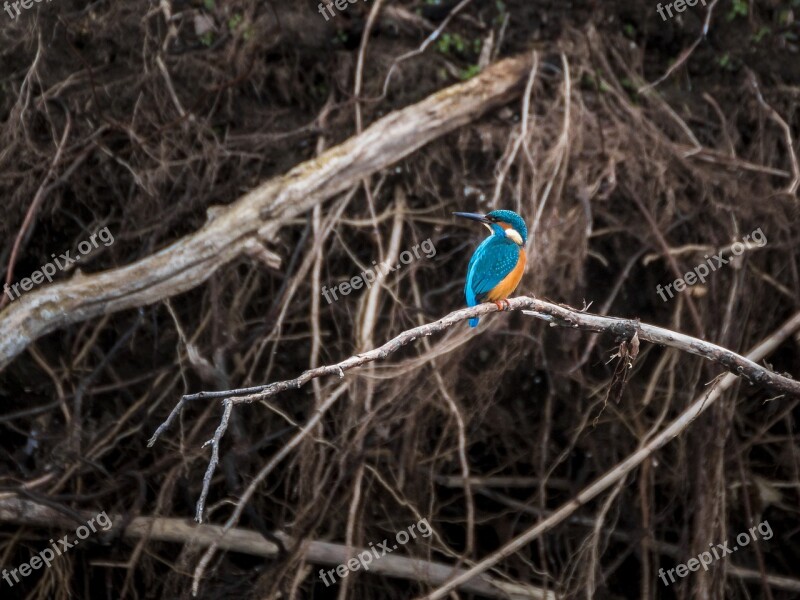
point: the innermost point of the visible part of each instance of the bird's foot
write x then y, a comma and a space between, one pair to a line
499, 304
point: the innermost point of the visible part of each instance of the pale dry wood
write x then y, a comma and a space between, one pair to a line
182, 531
255, 218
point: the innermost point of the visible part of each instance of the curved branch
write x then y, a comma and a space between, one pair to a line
556, 315
627, 329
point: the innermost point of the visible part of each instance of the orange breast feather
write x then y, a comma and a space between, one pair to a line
510, 282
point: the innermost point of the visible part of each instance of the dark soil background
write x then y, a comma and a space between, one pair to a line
141, 116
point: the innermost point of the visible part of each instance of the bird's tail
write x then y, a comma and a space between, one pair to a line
473, 322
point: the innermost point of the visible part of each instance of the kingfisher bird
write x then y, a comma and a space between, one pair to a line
496, 268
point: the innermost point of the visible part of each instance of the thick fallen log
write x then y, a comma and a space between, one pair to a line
183, 531
256, 217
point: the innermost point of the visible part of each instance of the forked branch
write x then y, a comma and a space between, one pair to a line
556, 315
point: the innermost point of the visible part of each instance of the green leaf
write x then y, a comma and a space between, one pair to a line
469, 72
235, 21
739, 9
764, 31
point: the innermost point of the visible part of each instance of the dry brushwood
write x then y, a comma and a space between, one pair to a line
555, 452
627, 331
253, 220
619, 471
31, 513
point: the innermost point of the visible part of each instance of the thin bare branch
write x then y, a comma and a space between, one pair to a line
555, 314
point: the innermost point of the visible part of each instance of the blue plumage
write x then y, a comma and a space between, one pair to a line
497, 264
511, 218
495, 258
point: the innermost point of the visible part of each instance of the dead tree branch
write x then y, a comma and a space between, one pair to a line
556, 315
698, 406
255, 218
181, 531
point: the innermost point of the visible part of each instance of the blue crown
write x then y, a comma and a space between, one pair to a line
513, 219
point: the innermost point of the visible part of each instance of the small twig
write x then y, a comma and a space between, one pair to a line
521, 136
428, 41
362, 52
83, 386
41, 194
214, 461
787, 132
668, 256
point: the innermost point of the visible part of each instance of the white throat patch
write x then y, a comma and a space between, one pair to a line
514, 235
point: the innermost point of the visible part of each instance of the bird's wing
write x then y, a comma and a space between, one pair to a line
493, 260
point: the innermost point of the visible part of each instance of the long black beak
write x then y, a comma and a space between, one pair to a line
473, 216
